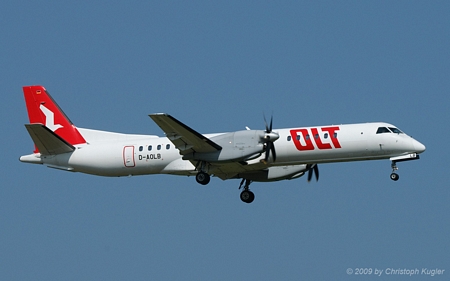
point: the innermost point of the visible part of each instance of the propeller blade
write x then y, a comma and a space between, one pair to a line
316, 171
265, 122
274, 154
270, 126
313, 169
266, 157
309, 175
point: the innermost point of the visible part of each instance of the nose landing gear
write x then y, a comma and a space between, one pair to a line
394, 175
402, 158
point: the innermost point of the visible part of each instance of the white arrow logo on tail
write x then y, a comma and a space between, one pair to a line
49, 119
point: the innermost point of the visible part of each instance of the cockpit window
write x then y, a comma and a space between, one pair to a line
395, 130
382, 130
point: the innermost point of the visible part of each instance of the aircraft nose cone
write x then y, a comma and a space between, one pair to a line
419, 147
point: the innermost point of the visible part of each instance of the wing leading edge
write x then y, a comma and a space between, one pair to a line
182, 136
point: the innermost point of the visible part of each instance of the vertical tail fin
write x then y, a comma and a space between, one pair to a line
42, 109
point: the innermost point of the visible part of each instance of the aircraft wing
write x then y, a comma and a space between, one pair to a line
183, 137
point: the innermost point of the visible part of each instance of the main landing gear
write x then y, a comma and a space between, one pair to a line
246, 195
394, 175
203, 178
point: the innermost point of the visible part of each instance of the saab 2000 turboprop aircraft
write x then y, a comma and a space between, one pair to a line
249, 155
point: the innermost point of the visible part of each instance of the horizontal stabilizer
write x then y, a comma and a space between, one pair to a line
46, 141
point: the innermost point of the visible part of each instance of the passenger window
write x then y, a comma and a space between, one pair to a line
289, 138
335, 135
141, 148
383, 130
325, 135
298, 137
307, 137
158, 147
168, 146
316, 136
149, 148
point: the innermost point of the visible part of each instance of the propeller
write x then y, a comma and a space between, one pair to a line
313, 169
269, 138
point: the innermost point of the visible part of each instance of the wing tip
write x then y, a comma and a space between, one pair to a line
160, 113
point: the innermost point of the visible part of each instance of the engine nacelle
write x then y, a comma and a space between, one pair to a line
236, 146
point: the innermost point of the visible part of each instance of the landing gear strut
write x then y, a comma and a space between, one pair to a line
246, 195
394, 176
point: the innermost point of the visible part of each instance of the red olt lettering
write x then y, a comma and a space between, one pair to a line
307, 144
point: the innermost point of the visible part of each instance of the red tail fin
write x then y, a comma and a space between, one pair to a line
44, 110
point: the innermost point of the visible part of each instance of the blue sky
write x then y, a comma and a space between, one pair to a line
219, 67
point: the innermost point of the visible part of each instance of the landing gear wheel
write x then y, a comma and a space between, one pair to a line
202, 178
247, 196
394, 177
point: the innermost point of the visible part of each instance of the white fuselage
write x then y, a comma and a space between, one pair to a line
114, 154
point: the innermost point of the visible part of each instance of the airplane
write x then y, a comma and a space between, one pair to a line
250, 155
